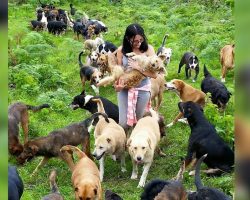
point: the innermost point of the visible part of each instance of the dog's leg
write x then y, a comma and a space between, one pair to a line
196, 73
175, 120
183, 120
101, 168
24, 123
180, 66
135, 170
96, 89
159, 151
144, 175
86, 146
186, 72
123, 165
42, 163
68, 158
159, 101
223, 74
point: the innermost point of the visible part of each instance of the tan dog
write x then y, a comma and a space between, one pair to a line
157, 89
133, 77
186, 93
142, 144
226, 60
110, 139
107, 62
92, 45
85, 176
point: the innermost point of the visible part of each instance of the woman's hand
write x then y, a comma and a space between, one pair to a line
119, 85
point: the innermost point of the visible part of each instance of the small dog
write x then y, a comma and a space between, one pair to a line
205, 140
226, 60
91, 74
202, 191
219, 93
133, 77
106, 62
92, 45
55, 194
106, 47
37, 25
192, 63
110, 139
92, 59
56, 27
18, 114
157, 89
15, 184
49, 146
166, 52
109, 195
86, 102
85, 175
142, 144
186, 93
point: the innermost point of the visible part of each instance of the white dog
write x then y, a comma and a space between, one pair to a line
92, 45
166, 52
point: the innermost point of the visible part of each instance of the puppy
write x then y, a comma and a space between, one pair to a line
110, 139
92, 45
91, 74
18, 114
15, 184
157, 89
142, 143
49, 146
226, 60
219, 93
166, 52
165, 190
186, 93
205, 140
92, 59
86, 102
202, 191
55, 194
106, 47
85, 175
133, 77
109, 195
192, 63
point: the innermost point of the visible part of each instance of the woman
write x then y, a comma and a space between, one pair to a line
132, 102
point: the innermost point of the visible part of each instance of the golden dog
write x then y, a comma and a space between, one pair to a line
157, 89
226, 60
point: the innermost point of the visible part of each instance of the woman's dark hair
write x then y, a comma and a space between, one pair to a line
130, 33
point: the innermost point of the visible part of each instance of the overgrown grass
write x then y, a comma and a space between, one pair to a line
44, 69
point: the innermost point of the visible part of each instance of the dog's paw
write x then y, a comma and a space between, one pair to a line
123, 169
130, 54
114, 157
193, 81
134, 176
169, 125
223, 80
192, 173
141, 184
183, 121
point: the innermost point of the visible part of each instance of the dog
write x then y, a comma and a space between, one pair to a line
37, 25
202, 191
110, 139
78, 27
109, 195
192, 63
226, 60
56, 27
85, 175
92, 45
49, 146
186, 93
107, 62
92, 58
18, 114
86, 102
166, 52
106, 47
133, 77
142, 143
55, 194
219, 93
91, 74
205, 140
166, 190
15, 184
157, 89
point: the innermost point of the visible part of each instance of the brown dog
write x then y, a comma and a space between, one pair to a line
157, 89
186, 93
18, 114
106, 62
85, 176
49, 146
226, 60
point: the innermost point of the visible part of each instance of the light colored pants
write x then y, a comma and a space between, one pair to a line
142, 101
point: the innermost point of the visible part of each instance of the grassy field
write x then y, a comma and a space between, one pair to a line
44, 69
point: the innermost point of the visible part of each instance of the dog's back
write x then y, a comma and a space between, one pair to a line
109, 195
227, 56
15, 184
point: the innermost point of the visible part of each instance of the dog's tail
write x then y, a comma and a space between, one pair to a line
73, 149
197, 178
164, 40
79, 59
100, 107
37, 108
206, 72
95, 115
52, 180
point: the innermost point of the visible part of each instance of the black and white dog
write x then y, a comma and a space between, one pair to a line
15, 184
192, 63
106, 47
166, 52
219, 93
85, 102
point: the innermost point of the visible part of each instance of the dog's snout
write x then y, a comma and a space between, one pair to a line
93, 154
138, 158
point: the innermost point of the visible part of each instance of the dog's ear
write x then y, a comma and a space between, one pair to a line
162, 57
95, 191
128, 143
83, 93
108, 140
149, 143
180, 106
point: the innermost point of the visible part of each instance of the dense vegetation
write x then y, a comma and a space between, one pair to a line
43, 69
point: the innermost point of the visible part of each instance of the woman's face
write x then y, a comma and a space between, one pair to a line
136, 41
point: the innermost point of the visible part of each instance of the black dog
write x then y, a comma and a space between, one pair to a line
192, 63
37, 25
109, 195
219, 93
202, 191
106, 47
85, 102
56, 27
205, 140
78, 27
15, 184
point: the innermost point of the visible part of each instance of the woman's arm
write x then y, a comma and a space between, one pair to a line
119, 55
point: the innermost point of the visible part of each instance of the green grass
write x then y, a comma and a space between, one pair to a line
45, 69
